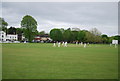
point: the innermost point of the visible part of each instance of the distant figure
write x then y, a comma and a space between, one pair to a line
115, 45
24, 41
59, 44
110, 44
54, 45
76, 43
88, 43
85, 45
65, 44
81, 43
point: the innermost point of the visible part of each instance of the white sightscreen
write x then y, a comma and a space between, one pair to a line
114, 41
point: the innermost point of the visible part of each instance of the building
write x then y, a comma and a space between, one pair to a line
2, 36
44, 38
11, 37
8, 37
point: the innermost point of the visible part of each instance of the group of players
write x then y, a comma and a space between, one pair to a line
64, 44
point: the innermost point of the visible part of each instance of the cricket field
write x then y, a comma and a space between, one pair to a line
43, 61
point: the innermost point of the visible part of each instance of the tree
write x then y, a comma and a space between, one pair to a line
117, 37
29, 25
62, 30
11, 30
42, 33
81, 36
3, 25
95, 31
110, 39
56, 34
105, 38
89, 37
75, 35
67, 35
19, 31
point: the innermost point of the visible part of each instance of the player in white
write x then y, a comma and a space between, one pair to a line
115, 45
25, 42
54, 45
81, 43
59, 44
77, 43
84, 45
110, 44
65, 44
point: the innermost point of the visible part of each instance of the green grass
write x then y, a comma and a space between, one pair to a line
42, 61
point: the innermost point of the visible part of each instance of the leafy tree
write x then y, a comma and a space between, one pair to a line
105, 38
56, 34
67, 35
89, 37
62, 30
11, 30
110, 39
75, 35
3, 25
81, 35
95, 31
19, 31
69, 29
29, 25
97, 39
117, 37
42, 33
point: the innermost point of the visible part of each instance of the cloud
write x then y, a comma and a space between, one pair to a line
85, 15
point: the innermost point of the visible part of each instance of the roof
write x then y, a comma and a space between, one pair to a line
45, 35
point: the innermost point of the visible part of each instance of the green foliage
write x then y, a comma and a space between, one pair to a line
56, 34
75, 35
67, 35
3, 25
42, 33
110, 39
29, 24
117, 37
81, 36
11, 30
105, 38
89, 37
19, 31
92, 38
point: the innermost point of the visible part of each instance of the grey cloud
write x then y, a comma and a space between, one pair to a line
102, 15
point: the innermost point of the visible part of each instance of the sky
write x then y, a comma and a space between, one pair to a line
49, 15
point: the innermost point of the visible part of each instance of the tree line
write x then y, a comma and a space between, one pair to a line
29, 30
93, 36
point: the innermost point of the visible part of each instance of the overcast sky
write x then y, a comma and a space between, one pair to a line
83, 15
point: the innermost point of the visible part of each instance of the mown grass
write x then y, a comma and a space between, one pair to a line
43, 61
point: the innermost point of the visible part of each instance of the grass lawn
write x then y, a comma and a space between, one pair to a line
42, 61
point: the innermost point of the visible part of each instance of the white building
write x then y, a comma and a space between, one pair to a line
11, 37
2, 36
8, 37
